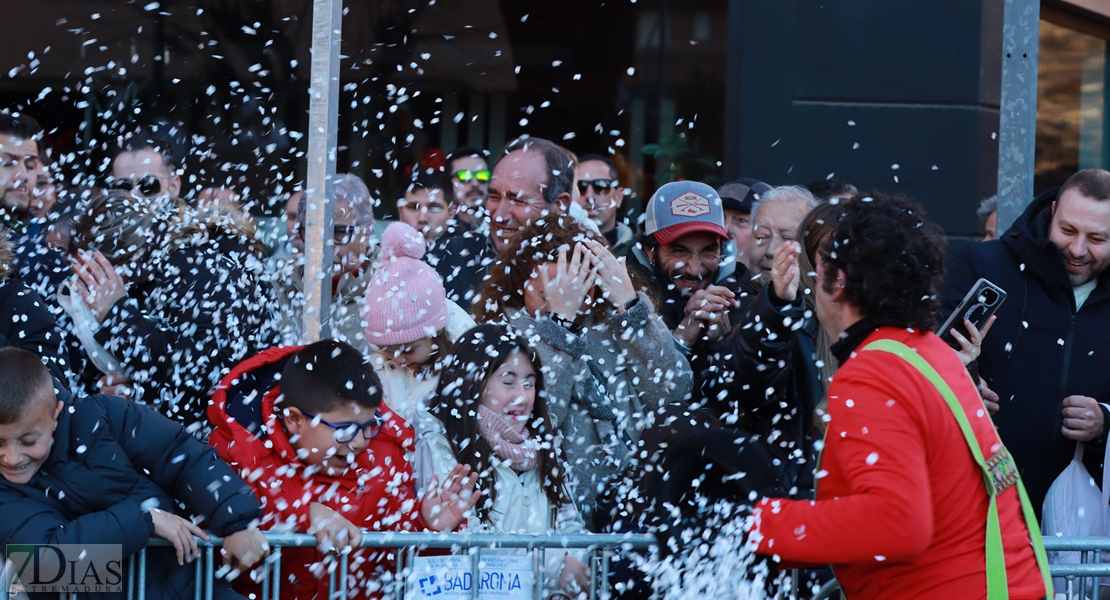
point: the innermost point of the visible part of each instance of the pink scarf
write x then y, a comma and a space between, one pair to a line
507, 444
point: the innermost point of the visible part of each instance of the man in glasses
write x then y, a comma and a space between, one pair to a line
145, 166
327, 456
352, 238
470, 177
600, 193
534, 177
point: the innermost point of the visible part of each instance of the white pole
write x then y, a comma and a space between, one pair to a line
323, 111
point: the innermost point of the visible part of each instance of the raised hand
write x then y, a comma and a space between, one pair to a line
785, 273
574, 278
97, 282
612, 274
444, 507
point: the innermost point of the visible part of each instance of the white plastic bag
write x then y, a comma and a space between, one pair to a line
1074, 507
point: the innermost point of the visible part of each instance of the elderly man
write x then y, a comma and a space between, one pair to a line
533, 177
351, 267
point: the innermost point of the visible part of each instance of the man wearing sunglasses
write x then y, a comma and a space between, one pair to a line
600, 193
145, 166
470, 177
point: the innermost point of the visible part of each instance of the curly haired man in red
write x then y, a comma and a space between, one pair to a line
916, 495
307, 429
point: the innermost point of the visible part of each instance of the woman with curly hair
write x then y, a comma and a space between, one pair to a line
166, 298
609, 361
917, 496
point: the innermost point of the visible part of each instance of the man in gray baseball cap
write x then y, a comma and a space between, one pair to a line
685, 251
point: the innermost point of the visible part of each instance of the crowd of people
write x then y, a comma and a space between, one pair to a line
513, 356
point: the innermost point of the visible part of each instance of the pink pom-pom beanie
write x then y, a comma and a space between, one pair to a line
406, 300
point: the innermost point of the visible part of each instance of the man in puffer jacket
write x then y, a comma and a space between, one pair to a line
325, 455
101, 470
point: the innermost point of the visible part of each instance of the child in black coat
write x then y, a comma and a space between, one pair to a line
101, 470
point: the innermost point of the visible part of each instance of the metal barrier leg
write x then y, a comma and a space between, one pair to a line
1098, 560
210, 575
142, 574
402, 579
277, 573
538, 565
592, 562
331, 580
266, 577
474, 581
198, 577
605, 592
343, 575
1083, 580
131, 577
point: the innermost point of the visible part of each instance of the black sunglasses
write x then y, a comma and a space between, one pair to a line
341, 234
601, 185
148, 186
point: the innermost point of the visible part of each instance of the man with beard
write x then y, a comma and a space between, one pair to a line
1045, 356
686, 254
470, 177
19, 158
534, 177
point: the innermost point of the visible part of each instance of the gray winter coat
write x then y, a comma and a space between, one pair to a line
601, 383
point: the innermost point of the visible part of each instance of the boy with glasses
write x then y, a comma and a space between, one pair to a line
600, 193
307, 428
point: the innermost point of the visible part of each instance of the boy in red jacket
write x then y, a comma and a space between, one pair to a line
903, 504
326, 456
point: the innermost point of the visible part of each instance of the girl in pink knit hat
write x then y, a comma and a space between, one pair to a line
410, 324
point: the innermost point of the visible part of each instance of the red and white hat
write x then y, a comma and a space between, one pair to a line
682, 207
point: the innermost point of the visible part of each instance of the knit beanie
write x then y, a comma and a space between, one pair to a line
406, 300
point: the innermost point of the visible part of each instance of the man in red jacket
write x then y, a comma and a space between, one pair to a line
326, 456
912, 470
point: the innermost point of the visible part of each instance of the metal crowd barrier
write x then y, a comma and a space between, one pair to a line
1076, 576
601, 547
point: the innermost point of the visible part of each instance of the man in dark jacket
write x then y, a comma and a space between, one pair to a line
1046, 354
102, 470
687, 258
533, 177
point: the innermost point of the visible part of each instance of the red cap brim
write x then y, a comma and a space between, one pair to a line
672, 233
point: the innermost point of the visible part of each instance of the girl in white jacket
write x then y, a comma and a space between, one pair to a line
409, 322
493, 417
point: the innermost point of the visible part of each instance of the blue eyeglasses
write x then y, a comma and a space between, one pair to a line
345, 432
